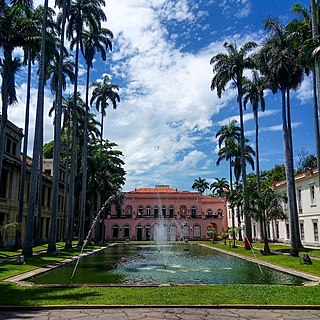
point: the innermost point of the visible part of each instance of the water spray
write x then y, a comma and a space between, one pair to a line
94, 222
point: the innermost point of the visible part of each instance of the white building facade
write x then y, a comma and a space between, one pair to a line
308, 203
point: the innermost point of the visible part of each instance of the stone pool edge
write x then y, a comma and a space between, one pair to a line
20, 279
312, 279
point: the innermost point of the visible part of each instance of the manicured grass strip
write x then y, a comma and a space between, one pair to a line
278, 259
10, 268
284, 248
185, 295
43, 247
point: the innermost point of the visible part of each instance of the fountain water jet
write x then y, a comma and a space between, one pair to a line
118, 195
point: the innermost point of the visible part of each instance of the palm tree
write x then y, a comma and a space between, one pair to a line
15, 28
230, 67
235, 200
254, 93
220, 187
201, 185
316, 72
278, 62
267, 205
27, 245
105, 173
80, 14
61, 21
306, 31
103, 92
69, 108
93, 41
31, 50
58, 72
233, 150
228, 135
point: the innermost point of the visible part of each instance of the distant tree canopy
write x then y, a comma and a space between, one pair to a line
308, 163
276, 174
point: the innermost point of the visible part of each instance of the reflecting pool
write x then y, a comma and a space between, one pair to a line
175, 264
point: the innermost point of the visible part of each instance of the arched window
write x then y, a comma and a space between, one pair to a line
118, 211
148, 232
126, 231
185, 231
171, 211
193, 211
115, 231
164, 211
156, 211
139, 232
140, 211
219, 212
183, 211
196, 231
128, 211
209, 213
173, 232
148, 211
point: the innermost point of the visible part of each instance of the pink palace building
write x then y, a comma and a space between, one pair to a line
183, 214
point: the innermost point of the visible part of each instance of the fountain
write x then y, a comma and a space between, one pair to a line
162, 263
161, 239
94, 222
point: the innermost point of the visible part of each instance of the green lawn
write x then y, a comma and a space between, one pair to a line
167, 295
184, 295
9, 268
284, 260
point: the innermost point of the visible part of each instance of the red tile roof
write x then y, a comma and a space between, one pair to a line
159, 190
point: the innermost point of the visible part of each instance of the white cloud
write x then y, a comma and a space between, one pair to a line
166, 108
16, 114
247, 117
273, 128
304, 92
237, 8
167, 105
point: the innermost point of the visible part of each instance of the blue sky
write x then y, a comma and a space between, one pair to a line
168, 117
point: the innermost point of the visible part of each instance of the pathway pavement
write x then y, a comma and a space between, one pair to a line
165, 313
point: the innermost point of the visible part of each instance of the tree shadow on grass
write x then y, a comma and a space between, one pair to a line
11, 295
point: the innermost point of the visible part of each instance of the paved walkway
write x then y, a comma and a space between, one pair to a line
177, 313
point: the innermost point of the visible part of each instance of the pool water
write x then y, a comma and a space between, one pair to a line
175, 264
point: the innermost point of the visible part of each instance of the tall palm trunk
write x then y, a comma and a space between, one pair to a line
18, 242
232, 208
38, 239
256, 122
67, 183
27, 246
99, 236
316, 120
316, 81
294, 251
57, 141
247, 220
73, 166
91, 208
294, 196
5, 101
84, 165
266, 247
101, 126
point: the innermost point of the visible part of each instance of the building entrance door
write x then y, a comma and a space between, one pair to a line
139, 233
148, 234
